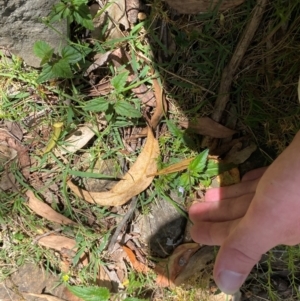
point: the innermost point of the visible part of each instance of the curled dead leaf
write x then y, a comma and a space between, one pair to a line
207, 127
169, 269
46, 211
198, 262
134, 182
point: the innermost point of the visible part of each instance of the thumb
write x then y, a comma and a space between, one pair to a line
241, 250
233, 265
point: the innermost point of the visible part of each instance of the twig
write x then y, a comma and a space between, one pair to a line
126, 217
230, 70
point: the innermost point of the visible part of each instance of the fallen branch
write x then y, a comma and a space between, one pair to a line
240, 50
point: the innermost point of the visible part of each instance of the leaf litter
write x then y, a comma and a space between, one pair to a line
173, 270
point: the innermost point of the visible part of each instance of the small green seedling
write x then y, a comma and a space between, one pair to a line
116, 103
200, 169
73, 10
61, 65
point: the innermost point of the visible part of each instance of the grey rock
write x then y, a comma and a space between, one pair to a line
162, 229
21, 27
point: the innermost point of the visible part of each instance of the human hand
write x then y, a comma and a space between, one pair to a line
250, 218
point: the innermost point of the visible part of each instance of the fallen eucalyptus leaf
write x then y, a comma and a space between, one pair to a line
207, 127
133, 183
46, 211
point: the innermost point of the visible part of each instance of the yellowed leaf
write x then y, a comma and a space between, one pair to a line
133, 183
182, 165
45, 210
208, 127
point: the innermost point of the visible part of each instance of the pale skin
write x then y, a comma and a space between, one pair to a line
250, 218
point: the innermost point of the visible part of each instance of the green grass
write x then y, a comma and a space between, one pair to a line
189, 61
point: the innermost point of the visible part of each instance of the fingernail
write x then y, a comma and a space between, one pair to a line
230, 282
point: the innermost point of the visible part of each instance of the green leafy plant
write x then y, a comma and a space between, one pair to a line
117, 103
94, 293
58, 66
73, 10
200, 169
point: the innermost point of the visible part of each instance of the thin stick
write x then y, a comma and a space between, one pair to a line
125, 219
240, 50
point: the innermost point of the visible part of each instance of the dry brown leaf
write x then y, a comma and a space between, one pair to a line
182, 165
145, 94
132, 10
113, 18
46, 211
207, 127
169, 269
198, 262
65, 245
229, 177
237, 155
103, 279
120, 58
23, 157
46, 297
137, 265
100, 60
133, 183
77, 140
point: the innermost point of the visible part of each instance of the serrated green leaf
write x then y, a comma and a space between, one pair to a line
124, 108
119, 81
71, 54
206, 181
57, 12
62, 69
57, 69
174, 130
185, 180
99, 104
212, 168
46, 74
47, 58
41, 49
83, 17
199, 163
92, 293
